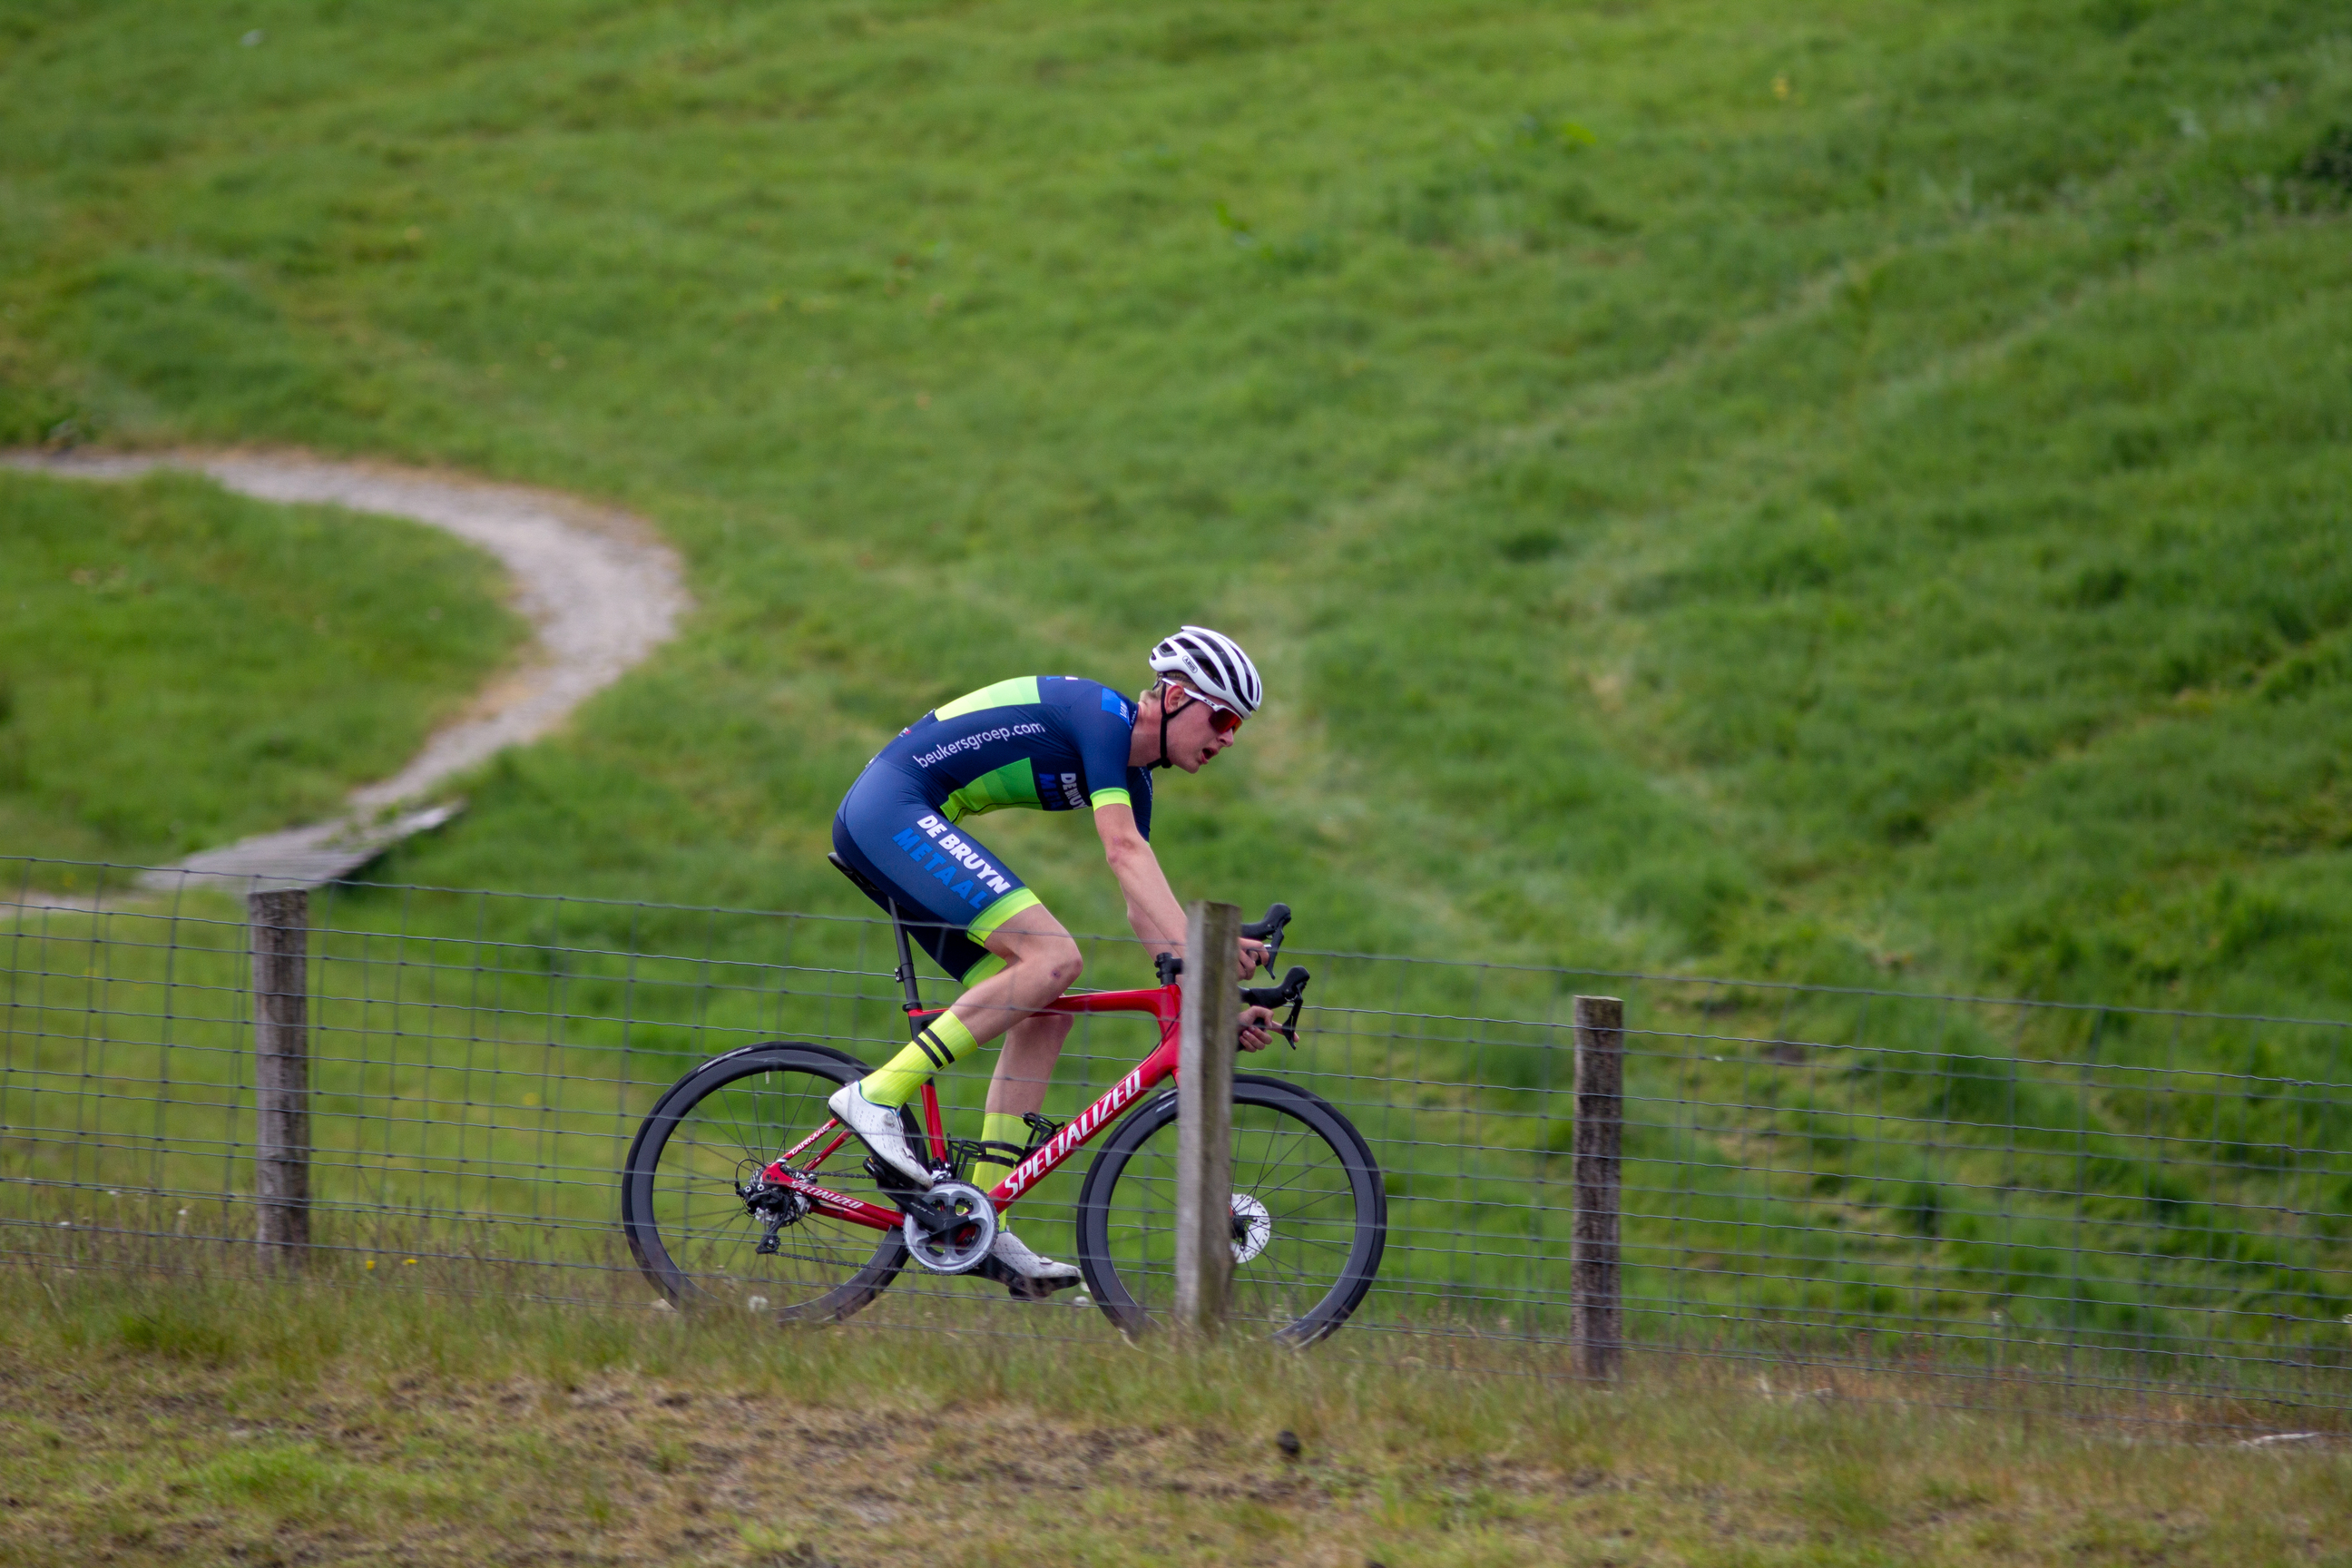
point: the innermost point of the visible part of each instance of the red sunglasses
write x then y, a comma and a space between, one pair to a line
1222, 720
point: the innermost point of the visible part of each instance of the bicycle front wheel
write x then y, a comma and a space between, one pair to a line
720, 1124
1309, 1215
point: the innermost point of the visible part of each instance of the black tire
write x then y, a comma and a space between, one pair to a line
688, 1230
1294, 1155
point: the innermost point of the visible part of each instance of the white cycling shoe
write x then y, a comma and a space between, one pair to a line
879, 1128
1029, 1277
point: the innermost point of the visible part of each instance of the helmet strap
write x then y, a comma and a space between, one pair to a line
1163, 726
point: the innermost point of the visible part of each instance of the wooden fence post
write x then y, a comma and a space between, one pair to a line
1204, 1115
280, 922
1596, 1310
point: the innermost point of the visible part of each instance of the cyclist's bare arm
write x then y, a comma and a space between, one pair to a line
1151, 906
1153, 911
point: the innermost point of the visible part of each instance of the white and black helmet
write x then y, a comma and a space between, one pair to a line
1214, 665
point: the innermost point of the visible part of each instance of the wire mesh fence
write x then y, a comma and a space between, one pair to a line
1970, 1196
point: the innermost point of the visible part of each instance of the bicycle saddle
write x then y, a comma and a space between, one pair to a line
850, 871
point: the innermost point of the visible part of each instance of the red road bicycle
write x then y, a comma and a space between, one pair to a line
733, 1195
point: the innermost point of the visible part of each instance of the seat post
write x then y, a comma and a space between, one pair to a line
906, 971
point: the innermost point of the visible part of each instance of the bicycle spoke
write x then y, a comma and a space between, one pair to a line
1306, 1272
691, 1212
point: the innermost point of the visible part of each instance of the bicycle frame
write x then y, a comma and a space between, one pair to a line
1164, 1003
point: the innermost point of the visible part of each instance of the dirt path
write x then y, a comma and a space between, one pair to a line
600, 588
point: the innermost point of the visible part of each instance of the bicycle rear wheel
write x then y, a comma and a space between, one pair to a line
691, 1233
1310, 1216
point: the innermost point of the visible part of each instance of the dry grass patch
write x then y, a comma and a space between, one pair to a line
223, 1423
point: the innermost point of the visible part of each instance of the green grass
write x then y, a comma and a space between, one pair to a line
1854, 494
1791, 491
179, 666
165, 1420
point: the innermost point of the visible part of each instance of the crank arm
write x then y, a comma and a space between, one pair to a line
932, 1214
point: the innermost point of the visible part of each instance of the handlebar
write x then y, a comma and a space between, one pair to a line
1290, 993
1267, 930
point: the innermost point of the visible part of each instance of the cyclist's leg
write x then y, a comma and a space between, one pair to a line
1039, 960
968, 911
1011, 954
1024, 964
1024, 1067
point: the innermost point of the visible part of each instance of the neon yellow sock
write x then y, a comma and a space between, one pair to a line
998, 1127
944, 1041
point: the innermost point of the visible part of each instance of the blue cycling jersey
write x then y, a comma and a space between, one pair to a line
1049, 743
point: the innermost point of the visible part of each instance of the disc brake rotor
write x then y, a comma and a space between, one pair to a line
1253, 1228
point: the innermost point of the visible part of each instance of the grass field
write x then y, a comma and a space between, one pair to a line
192, 1421
1852, 494
1834, 492
179, 667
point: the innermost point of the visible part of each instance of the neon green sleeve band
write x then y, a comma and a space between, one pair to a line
984, 925
1103, 797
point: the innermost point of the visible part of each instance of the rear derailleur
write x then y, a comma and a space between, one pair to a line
774, 1206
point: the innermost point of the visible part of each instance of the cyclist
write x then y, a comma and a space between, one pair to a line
1054, 743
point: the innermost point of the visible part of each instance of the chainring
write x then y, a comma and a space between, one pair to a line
950, 1229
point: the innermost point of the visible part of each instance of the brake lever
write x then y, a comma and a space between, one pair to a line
1290, 1025
1293, 991
1276, 996
1269, 931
